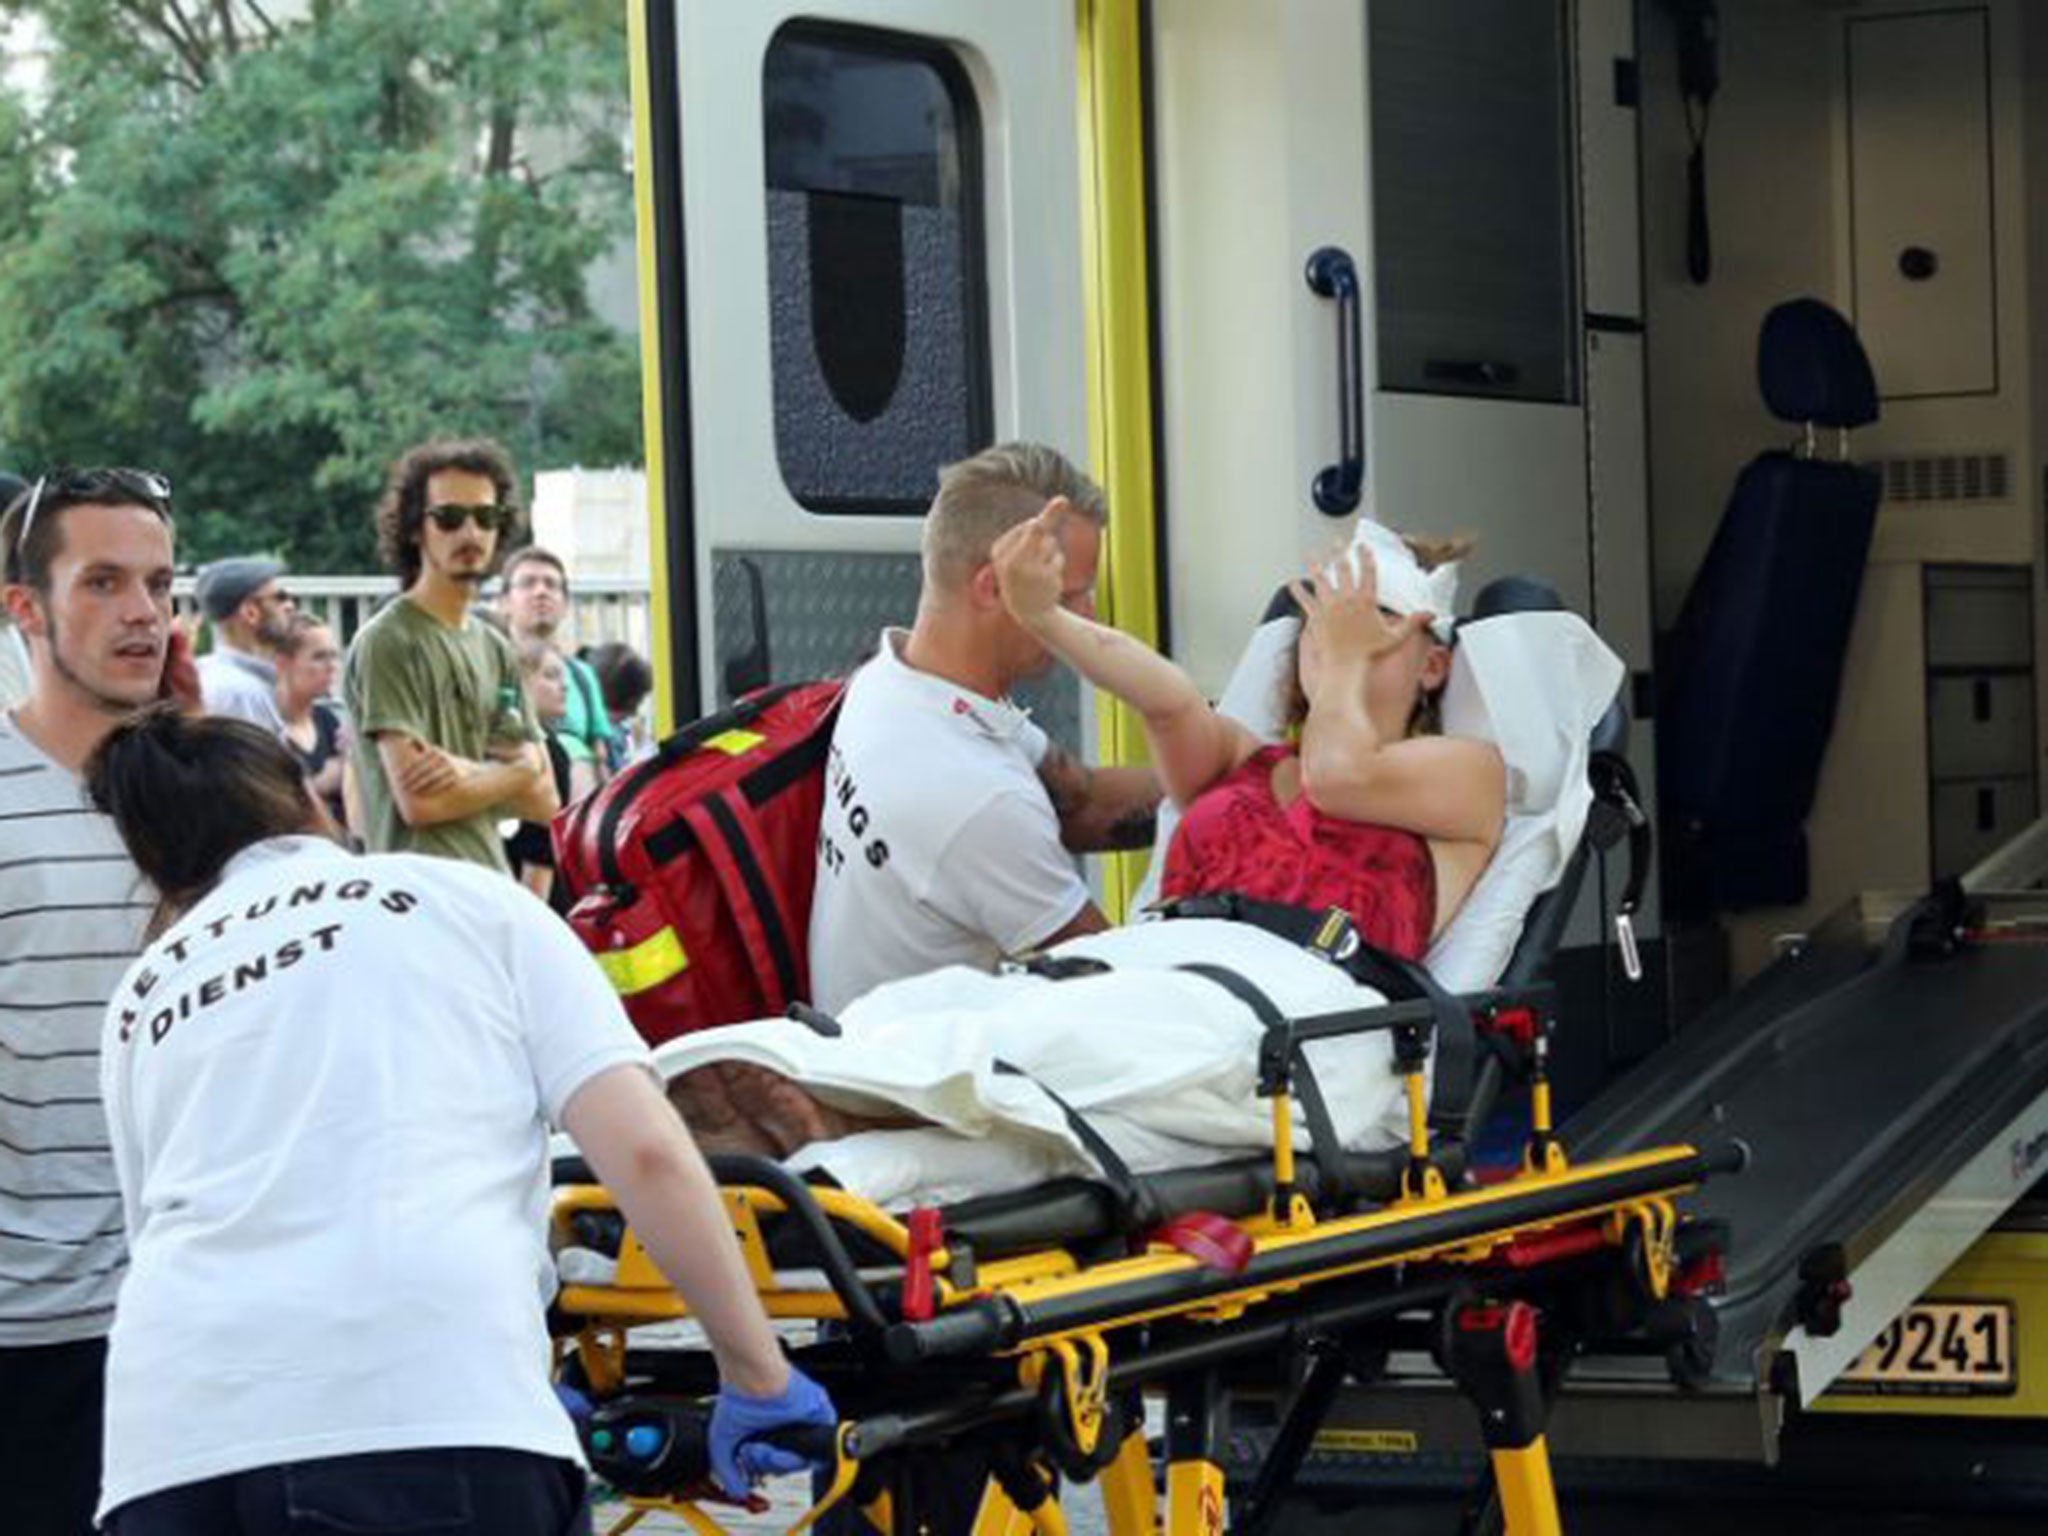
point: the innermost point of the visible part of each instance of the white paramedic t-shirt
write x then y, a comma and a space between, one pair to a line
328, 1087
938, 845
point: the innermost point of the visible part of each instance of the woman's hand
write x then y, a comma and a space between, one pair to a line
1341, 615
1031, 564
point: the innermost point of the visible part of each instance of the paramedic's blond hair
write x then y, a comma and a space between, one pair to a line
982, 498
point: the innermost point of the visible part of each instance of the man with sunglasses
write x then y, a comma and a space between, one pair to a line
252, 621
446, 744
88, 586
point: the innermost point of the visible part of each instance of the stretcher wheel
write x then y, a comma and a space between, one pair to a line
1691, 1333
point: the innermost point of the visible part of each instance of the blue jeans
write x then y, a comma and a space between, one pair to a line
383, 1493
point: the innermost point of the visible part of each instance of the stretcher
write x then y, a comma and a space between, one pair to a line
1019, 1334
1007, 1342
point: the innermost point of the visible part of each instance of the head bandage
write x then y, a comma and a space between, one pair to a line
1404, 586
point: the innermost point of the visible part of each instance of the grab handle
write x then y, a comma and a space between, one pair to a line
1333, 275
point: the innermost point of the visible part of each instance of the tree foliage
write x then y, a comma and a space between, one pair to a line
267, 254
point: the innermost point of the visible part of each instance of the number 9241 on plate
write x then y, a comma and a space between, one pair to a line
1939, 1349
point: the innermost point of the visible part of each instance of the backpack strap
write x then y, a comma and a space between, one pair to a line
622, 793
730, 836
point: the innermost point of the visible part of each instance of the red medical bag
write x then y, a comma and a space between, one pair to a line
691, 871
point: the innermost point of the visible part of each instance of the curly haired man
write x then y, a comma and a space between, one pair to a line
446, 744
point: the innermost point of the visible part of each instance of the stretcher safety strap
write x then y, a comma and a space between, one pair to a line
1322, 1133
1399, 980
1140, 1205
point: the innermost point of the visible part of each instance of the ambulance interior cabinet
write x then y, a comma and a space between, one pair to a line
1981, 752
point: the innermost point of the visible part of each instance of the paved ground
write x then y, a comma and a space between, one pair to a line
787, 1504
1676, 1516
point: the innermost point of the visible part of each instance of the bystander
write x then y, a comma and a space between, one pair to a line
251, 615
88, 584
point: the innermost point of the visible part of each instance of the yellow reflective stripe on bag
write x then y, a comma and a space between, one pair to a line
733, 743
647, 964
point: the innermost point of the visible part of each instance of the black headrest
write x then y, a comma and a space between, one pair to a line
1811, 367
1514, 594
1523, 594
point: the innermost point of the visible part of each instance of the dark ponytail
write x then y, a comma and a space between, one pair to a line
189, 792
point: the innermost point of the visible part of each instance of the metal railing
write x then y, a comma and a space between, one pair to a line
600, 609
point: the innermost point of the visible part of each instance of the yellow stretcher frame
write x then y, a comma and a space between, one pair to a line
1079, 1336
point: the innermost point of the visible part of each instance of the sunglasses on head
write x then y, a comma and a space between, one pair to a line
489, 516
80, 487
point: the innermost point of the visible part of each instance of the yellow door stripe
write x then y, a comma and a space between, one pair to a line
651, 364
1117, 304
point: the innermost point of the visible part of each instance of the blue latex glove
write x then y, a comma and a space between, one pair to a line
574, 1403
739, 1458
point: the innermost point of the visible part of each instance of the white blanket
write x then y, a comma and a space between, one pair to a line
1162, 1063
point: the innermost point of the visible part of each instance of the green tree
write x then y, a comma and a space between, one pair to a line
266, 255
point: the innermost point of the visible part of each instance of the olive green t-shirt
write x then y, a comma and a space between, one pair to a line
452, 687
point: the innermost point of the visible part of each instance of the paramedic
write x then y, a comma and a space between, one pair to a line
950, 819
328, 1083
88, 571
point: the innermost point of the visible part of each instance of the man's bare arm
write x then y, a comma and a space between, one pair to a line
1088, 920
1101, 810
430, 786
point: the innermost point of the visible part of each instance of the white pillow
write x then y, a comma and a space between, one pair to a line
1535, 685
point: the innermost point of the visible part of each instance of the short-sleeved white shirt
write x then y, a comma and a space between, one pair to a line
938, 845
328, 1087
232, 682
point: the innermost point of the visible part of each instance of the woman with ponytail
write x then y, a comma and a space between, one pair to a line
328, 1084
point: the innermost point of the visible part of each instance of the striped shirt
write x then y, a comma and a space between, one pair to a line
72, 913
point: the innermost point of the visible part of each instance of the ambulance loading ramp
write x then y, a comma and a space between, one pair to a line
1893, 1093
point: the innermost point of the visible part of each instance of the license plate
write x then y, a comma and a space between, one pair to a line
1939, 1349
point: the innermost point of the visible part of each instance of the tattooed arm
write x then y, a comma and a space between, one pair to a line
1101, 810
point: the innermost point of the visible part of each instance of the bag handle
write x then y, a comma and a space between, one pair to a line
624, 789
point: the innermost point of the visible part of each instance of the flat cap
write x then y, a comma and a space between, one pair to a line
224, 585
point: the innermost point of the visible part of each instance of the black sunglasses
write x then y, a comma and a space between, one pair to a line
490, 517
79, 487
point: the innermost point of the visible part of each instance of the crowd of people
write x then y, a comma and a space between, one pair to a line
173, 849
254, 994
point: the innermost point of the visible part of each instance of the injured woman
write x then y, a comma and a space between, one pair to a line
1428, 781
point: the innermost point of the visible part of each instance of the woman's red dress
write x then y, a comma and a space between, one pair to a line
1236, 836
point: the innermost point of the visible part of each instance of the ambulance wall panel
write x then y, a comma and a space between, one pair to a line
1523, 495
1917, 92
1260, 142
1610, 203
1770, 168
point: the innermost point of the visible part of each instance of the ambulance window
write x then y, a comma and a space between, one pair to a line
1472, 202
878, 312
